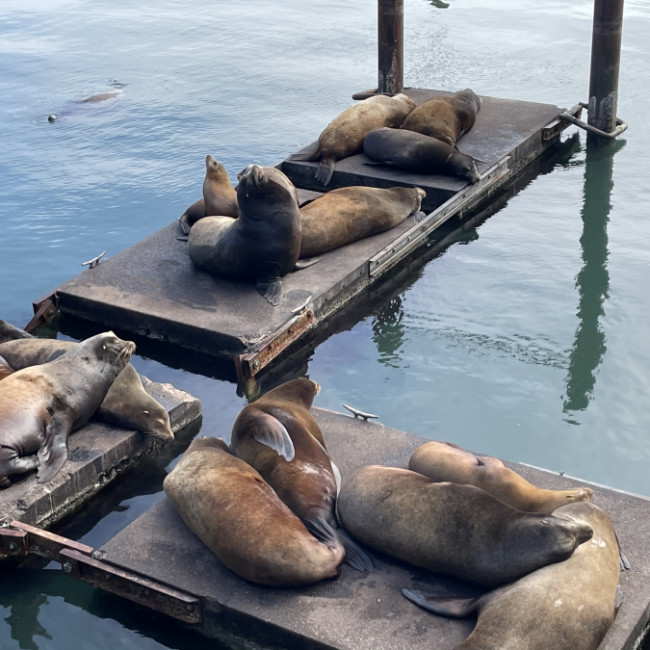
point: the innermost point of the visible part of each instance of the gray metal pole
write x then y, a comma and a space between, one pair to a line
391, 46
605, 59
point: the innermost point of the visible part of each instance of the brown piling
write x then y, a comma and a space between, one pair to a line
391, 46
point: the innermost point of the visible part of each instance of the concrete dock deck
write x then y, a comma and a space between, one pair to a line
98, 454
355, 611
153, 290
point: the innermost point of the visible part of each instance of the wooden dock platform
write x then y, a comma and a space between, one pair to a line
355, 611
153, 290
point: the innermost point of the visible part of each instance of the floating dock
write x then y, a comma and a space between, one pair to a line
157, 561
153, 290
98, 454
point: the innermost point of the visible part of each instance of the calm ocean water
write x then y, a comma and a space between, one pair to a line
525, 339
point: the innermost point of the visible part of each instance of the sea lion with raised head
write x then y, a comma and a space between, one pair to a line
240, 518
41, 405
418, 153
127, 404
452, 529
263, 244
444, 461
219, 197
278, 436
447, 117
344, 135
570, 604
348, 214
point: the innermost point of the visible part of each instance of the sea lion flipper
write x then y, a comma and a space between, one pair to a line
269, 431
355, 556
54, 451
443, 605
325, 170
271, 289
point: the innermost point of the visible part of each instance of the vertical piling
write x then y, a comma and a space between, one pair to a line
605, 59
391, 46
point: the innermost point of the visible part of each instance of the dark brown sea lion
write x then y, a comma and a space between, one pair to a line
5, 368
344, 135
126, 404
570, 604
236, 514
263, 244
452, 529
446, 118
419, 153
345, 215
278, 436
444, 461
219, 197
41, 405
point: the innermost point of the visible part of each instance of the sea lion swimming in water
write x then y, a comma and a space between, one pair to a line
444, 461
41, 405
570, 604
241, 519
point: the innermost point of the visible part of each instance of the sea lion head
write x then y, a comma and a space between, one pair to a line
405, 99
214, 169
106, 348
255, 181
464, 166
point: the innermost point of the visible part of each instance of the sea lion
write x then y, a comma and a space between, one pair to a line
263, 244
219, 197
239, 517
344, 135
126, 404
41, 405
278, 436
446, 118
5, 368
418, 153
452, 529
345, 215
570, 604
444, 461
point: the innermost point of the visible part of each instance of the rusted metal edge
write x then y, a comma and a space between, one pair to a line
18, 539
621, 126
259, 355
45, 309
413, 237
144, 591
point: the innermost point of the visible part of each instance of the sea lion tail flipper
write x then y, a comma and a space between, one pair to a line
325, 170
54, 450
269, 431
443, 605
355, 556
270, 289
183, 224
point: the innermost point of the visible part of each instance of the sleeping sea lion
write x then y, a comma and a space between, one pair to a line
127, 404
344, 135
239, 517
345, 215
452, 529
263, 244
570, 604
444, 461
41, 405
278, 436
418, 153
447, 117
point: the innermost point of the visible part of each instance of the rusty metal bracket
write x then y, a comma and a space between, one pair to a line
554, 128
621, 126
18, 539
45, 310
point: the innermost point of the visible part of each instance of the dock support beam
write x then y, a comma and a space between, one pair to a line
605, 59
391, 46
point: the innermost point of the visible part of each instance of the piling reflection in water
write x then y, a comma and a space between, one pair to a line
592, 281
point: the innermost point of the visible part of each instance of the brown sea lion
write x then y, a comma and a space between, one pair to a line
263, 244
239, 517
444, 461
219, 197
452, 529
41, 405
126, 404
447, 117
5, 368
278, 436
345, 215
570, 604
344, 135
418, 153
